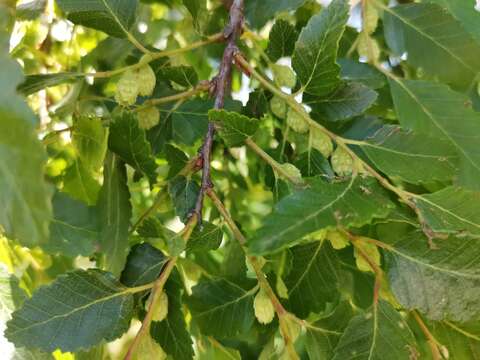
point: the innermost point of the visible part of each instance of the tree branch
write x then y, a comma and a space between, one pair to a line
221, 86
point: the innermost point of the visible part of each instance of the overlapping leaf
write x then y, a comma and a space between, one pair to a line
37, 82
435, 110
281, 41
258, 12
76, 311
184, 193
114, 17
442, 282
354, 202
144, 264
90, 138
233, 127
314, 58
406, 155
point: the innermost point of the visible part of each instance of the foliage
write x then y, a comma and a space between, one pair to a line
272, 179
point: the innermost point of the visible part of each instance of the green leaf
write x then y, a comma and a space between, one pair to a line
259, 12
353, 71
323, 335
190, 121
184, 193
171, 333
144, 264
379, 334
313, 163
205, 237
30, 10
212, 349
25, 209
452, 210
281, 41
465, 13
221, 308
460, 343
115, 213
453, 55
313, 280
200, 13
80, 184
316, 49
74, 227
350, 203
347, 101
176, 158
182, 75
406, 155
442, 282
37, 82
90, 139
76, 311
233, 127
435, 110
129, 142
114, 17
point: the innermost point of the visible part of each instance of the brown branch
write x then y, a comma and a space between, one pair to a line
432, 342
221, 86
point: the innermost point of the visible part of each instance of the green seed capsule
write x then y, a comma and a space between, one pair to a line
342, 162
284, 76
321, 142
127, 89
160, 310
278, 107
296, 122
146, 80
148, 117
264, 311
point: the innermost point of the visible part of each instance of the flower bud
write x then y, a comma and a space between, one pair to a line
148, 117
127, 89
321, 142
278, 107
160, 306
264, 311
146, 80
342, 162
297, 122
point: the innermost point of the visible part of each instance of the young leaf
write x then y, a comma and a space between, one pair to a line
381, 333
171, 333
74, 227
115, 213
453, 55
110, 16
233, 127
452, 210
316, 49
406, 155
144, 264
80, 184
433, 109
76, 311
347, 101
184, 192
451, 271
281, 40
129, 142
221, 308
354, 202
90, 138
313, 280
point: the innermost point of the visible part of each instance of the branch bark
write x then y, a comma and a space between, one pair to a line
221, 86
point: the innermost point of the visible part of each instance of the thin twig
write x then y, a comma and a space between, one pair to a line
432, 342
221, 86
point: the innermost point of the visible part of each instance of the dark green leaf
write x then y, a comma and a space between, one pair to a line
316, 49
452, 210
313, 280
76, 311
184, 193
221, 308
281, 41
233, 127
433, 109
171, 333
181, 75
114, 17
460, 343
129, 142
313, 163
144, 264
259, 12
354, 202
206, 236
414, 29
190, 121
347, 101
37, 82
406, 155
74, 227
442, 282
353, 71
176, 158
115, 213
